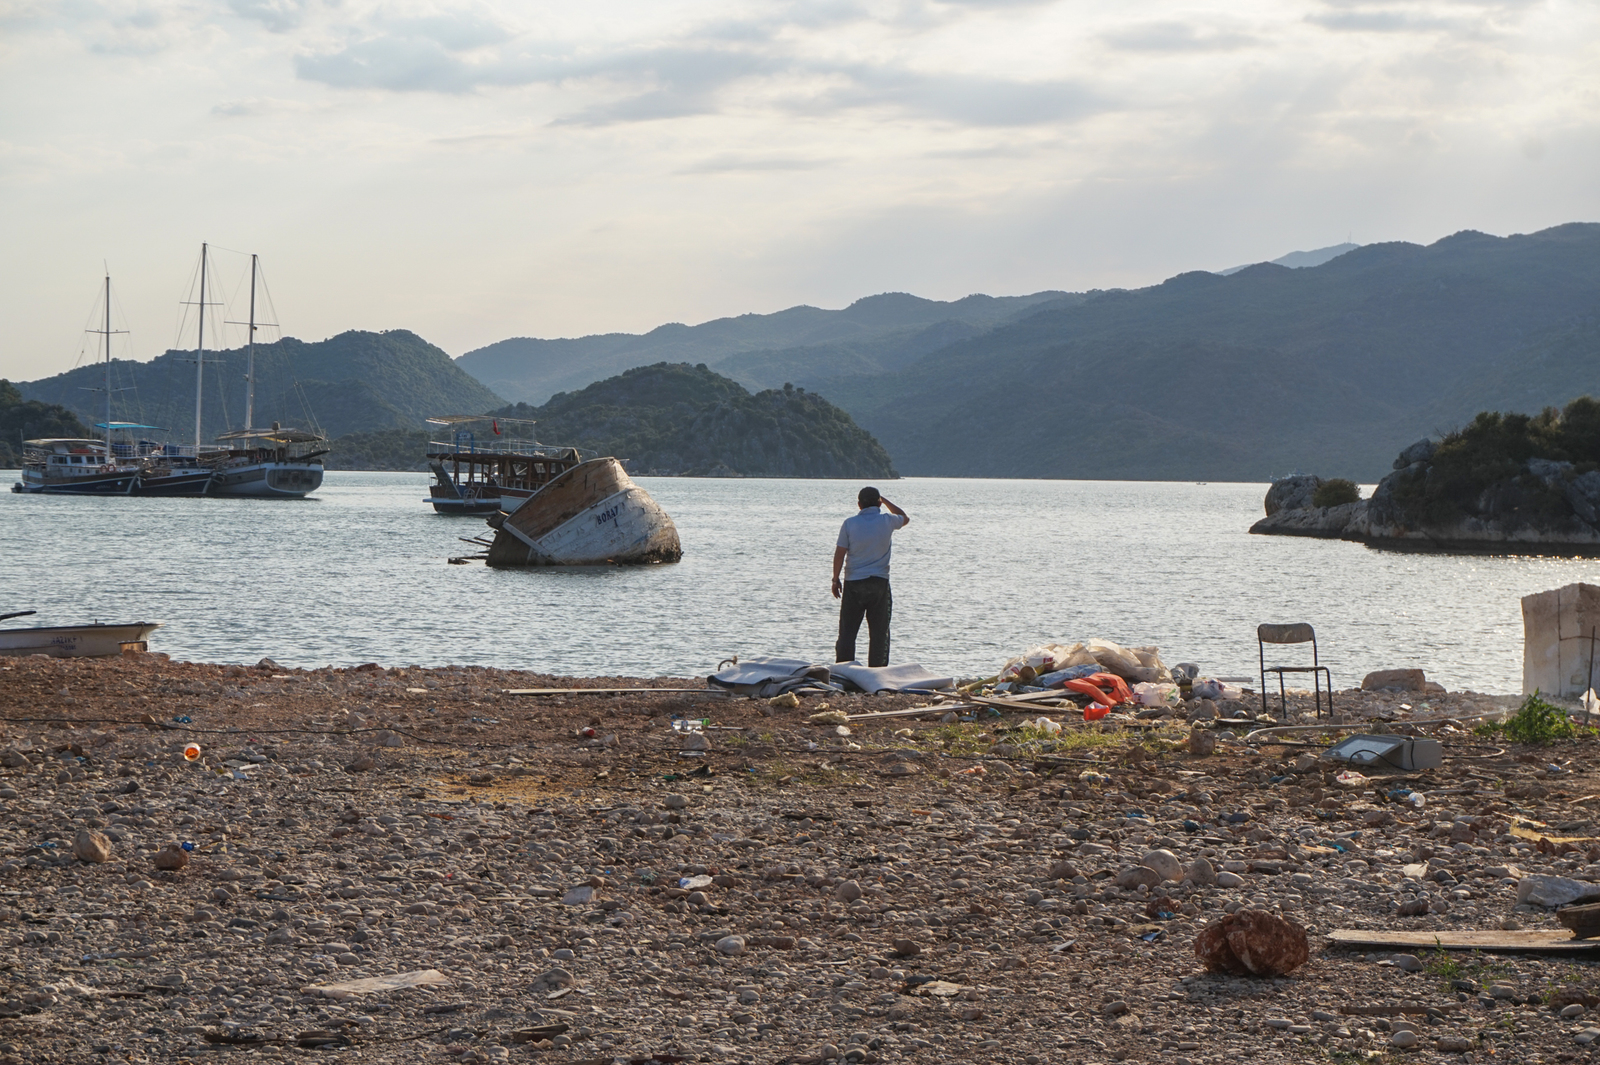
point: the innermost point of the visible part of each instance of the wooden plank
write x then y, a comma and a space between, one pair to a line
915, 711
1529, 942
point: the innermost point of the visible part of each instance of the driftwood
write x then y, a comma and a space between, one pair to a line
1533, 942
1583, 920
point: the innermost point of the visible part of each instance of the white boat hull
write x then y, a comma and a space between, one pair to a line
76, 641
591, 515
264, 480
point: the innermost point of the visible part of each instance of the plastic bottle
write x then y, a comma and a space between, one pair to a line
192, 752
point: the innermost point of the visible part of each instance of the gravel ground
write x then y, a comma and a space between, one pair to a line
916, 890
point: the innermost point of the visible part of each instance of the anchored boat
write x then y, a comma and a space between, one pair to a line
74, 641
589, 515
484, 468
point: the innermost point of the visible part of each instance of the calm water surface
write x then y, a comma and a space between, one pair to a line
986, 569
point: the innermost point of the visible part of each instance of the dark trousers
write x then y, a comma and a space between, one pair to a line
869, 597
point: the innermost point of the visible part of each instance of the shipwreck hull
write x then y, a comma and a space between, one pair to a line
591, 515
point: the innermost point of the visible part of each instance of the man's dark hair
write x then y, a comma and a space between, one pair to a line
867, 497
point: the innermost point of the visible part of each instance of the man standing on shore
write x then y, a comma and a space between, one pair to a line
863, 555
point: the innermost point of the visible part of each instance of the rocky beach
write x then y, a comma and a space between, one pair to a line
410, 865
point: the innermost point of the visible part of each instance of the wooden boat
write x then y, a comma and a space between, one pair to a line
66, 466
590, 515
273, 463
74, 467
75, 641
484, 468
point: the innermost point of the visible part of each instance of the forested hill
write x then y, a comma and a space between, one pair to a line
1332, 368
677, 419
354, 382
22, 419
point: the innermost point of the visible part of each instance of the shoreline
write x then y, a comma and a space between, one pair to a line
360, 823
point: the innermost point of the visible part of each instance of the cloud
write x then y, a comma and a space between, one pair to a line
279, 16
734, 163
1174, 37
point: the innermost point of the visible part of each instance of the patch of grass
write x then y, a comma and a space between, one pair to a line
1535, 722
1445, 966
962, 738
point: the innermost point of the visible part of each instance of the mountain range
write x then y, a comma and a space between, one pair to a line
354, 382
1331, 360
1333, 366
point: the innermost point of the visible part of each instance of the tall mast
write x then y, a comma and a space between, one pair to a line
200, 353
250, 367
106, 328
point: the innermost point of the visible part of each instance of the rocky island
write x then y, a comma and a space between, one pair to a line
1505, 482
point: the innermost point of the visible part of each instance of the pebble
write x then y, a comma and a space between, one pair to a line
89, 845
303, 875
1163, 862
1408, 963
1404, 1040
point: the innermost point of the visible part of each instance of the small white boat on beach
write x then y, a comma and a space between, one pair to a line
75, 641
590, 515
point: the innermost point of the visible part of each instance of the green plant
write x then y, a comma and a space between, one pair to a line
1441, 964
1335, 493
1536, 721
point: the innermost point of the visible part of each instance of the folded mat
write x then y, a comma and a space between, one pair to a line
766, 677
872, 680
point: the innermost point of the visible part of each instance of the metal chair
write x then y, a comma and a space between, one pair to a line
1290, 634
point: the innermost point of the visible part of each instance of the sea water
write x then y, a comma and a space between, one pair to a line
987, 568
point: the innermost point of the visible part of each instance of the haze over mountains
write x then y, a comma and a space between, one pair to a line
1331, 367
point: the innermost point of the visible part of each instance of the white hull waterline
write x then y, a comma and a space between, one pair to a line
77, 641
591, 515
268, 480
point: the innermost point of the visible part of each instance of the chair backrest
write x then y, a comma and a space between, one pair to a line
1300, 633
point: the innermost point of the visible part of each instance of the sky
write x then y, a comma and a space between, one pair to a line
473, 171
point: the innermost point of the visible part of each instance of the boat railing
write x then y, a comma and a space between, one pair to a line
499, 446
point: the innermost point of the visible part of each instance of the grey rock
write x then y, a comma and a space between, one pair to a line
675, 802
1404, 1040
849, 891
1583, 493
1163, 862
1551, 472
1229, 880
1552, 891
1407, 962
1201, 873
91, 846
1421, 451
1292, 493
731, 944
1139, 874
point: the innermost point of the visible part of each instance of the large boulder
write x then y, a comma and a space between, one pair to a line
1292, 493
1421, 451
1583, 493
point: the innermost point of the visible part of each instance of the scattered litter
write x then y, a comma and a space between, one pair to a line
192, 751
351, 988
1392, 752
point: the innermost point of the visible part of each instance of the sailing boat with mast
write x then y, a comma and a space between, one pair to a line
71, 466
275, 462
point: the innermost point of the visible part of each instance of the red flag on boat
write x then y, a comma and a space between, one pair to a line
496, 423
